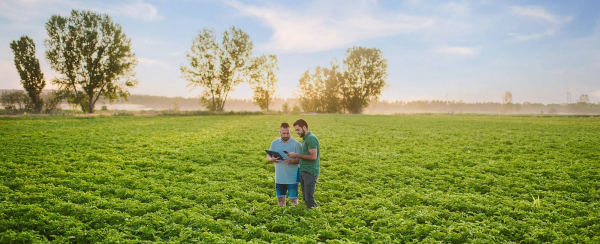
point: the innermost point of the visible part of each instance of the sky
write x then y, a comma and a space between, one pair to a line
472, 51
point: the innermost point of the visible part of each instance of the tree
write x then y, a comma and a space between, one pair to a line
203, 59
29, 70
14, 102
365, 73
507, 98
307, 93
217, 68
263, 79
285, 107
331, 94
583, 99
93, 55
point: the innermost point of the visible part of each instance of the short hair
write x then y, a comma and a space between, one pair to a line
301, 123
285, 125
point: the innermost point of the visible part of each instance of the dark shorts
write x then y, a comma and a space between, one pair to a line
282, 190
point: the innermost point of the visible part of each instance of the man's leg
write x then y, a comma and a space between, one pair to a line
293, 193
280, 192
308, 189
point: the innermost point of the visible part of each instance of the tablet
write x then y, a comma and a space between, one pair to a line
274, 154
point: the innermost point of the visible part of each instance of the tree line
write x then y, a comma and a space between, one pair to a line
94, 60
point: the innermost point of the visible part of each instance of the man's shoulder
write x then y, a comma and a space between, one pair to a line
312, 137
278, 140
294, 141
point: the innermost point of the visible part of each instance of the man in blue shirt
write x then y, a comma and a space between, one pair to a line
286, 169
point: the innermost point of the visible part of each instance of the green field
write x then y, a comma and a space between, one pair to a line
422, 178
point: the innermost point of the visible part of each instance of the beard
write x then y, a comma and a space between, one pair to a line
303, 134
285, 138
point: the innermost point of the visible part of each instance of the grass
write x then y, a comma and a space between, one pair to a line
410, 178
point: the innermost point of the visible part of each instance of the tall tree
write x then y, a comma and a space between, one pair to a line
331, 93
203, 69
93, 55
583, 99
364, 78
507, 98
307, 93
29, 70
218, 68
263, 80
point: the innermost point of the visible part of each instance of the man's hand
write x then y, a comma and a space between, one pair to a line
291, 161
274, 159
292, 155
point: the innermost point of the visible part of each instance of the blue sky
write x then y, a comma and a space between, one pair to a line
472, 50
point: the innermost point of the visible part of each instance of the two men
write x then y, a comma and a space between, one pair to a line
308, 157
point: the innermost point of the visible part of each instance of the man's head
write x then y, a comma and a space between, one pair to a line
284, 131
301, 127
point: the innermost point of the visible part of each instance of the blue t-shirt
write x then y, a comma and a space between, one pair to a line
286, 173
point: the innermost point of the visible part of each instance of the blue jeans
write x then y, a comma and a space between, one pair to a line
309, 183
282, 190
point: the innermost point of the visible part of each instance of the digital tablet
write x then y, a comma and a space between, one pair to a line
274, 154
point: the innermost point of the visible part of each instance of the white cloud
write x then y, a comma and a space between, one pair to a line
327, 28
539, 14
459, 8
596, 93
176, 53
465, 51
138, 10
23, 14
153, 62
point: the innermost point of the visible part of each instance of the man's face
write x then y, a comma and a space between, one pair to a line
301, 131
285, 133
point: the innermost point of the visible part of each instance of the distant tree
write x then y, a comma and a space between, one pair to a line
93, 55
296, 110
307, 93
29, 70
218, 68
365, 73
583, 99
14, 102
331, 95
263, 80
285, 107
507, 98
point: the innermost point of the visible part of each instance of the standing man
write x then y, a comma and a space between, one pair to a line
309, 162
286, 169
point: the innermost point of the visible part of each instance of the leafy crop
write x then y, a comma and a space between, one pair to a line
417, 178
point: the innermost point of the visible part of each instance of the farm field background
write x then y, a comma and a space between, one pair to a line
422, 178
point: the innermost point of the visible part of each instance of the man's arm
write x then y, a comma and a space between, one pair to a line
312, 156
292, 161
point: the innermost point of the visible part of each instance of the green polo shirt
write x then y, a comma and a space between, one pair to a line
310, 142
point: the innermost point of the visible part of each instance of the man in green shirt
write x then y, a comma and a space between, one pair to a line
309, 162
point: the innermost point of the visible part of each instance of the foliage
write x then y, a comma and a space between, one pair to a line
365, 73
427, 178
285, 107
296, 110
217, 68
507, 98
15, 102
263, 80
28, 66
352, 89
583, 99
93, 55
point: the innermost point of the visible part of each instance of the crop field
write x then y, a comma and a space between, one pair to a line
384, 179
